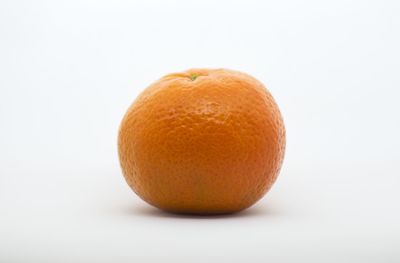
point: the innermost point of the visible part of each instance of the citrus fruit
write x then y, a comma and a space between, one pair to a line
203, 141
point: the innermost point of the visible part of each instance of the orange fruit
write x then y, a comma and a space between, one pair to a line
203, 141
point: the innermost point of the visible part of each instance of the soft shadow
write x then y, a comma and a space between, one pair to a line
148, 211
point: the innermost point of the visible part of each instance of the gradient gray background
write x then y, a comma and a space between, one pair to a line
70, 69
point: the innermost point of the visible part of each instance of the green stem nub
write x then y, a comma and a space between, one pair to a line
193, 77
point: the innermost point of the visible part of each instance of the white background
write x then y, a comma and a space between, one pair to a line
70, 69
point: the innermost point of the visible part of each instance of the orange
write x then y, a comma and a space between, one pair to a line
203, 141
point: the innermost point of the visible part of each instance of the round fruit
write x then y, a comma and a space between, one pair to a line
204, 141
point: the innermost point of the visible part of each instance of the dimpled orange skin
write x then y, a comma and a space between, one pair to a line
204, 141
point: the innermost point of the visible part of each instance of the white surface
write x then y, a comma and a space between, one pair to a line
70, 69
